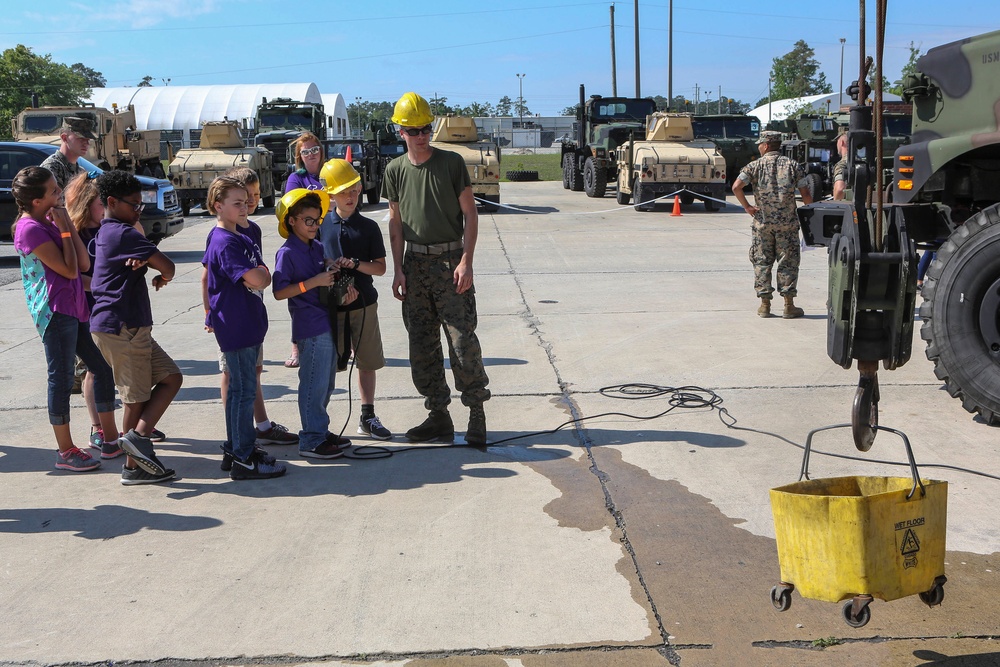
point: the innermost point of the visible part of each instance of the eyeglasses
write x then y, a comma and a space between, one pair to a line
310, 151
135, 207
310, 222
417, 131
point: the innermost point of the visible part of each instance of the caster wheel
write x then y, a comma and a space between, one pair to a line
933, 597
781, 598
858, 621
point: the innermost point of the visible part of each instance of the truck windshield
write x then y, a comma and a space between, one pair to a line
618, 109
340, 150
42, 124
285, 120
726, 128
897, 126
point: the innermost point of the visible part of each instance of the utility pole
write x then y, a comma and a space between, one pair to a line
670, 57
636, 6
614, 65
357, 103
697, 96
720, 99
841, 102
520, 99
769, 119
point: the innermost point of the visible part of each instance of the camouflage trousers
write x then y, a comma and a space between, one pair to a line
430, 305
774, 243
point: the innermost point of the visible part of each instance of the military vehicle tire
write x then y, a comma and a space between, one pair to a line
186, 207
640, 205
159, 171
960, 324
269, 201
490, 203
567, 172
686, 199
711, 206
373, 196
594, 182
622, 197
575, 175
522, 175
815, 186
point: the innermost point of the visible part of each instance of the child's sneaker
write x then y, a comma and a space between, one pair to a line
141, 449
373, 426
326, 450
76, 460
227, 457
96, 437
256, 467
157, 436
135, 476
276, 435
111, 450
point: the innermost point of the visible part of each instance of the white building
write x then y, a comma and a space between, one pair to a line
826, 103
177, 110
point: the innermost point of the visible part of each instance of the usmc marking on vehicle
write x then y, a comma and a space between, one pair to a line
909, 543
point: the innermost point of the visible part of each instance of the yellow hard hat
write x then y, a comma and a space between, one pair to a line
337, 175
291, 198
412, 110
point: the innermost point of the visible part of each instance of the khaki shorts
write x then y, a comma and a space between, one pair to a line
367, 343
137, 362
225, 369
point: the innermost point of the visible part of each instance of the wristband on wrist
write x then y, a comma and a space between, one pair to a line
66, 235
302, 288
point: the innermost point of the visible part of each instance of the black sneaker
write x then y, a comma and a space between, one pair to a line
373, 426
327, 450
338, 440
255, 468
438, 426
157, 436
141, 450
135, 476
227, 458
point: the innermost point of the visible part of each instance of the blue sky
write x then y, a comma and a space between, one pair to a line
472, 51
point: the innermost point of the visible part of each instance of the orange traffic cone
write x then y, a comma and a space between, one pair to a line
677, 206
347, 155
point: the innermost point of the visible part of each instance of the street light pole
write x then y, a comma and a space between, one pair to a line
520, 99
357, 103
842, 41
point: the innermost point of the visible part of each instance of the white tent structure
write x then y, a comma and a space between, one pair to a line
185, 108
829, 102
338, 120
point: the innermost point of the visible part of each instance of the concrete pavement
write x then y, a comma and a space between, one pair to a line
612, 542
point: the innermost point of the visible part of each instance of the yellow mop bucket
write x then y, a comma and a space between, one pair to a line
860, 538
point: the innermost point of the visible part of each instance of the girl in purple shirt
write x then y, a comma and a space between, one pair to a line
52, 257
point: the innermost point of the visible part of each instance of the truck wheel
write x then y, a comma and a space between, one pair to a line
575, 175
711, 206
686, 198
158, 171
186, 207
373, 196
960, 313
269, 201
815, 186
621, 196
637, 195
522, 175
490, 203
567, 173
595, 183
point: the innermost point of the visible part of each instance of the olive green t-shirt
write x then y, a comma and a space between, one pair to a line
427, 195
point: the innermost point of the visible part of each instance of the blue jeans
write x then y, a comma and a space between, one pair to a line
240, 430
317, 379
65, 339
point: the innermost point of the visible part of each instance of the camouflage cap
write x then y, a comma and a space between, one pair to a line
769, 137
81, 126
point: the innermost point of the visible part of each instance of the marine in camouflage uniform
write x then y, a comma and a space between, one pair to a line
76, 134
840, 169
774, 178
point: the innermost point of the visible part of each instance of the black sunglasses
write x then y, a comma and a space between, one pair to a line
417, 131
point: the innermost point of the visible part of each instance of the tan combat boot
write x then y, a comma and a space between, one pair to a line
791, 310
765, 307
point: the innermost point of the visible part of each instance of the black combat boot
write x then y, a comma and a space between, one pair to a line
438, 426
475, 435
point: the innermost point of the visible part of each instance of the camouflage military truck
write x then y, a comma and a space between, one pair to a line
482, 158
221, 147
603, 124
667, 160
366, 160
736, 136
278, 123
118, 145
812, 142
897, 117
947, 186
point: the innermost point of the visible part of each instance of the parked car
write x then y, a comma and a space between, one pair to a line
161, 218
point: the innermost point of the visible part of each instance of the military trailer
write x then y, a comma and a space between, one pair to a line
735, 135
118, 146
667, 160
482, 158
603, 124
278, 123
221, 148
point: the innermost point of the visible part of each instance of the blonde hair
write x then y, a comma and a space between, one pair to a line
305, 138
244, 175
218, 190
80, 194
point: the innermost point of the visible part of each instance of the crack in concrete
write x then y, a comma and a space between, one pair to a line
814, 645
581, 436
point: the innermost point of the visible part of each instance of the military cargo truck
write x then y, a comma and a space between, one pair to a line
603, 124
482, 158
366, 160
221, 147
667, 160
812, 142
278, 123
118, 146
736, 136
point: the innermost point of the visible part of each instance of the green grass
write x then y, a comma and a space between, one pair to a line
547, 165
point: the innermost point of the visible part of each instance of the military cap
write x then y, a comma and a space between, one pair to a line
82, 126
769, 137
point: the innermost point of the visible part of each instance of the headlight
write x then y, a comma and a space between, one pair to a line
149, 196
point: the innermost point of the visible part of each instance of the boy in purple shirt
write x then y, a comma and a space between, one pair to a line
236, 313
121, 324
299, 273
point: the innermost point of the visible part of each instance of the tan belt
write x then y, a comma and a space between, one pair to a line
434, 248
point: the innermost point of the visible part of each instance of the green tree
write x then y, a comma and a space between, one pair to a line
147, 81
909, 68
478, 109
94, 78
22, 73
796, 74
570, 111
504, 106
521, 108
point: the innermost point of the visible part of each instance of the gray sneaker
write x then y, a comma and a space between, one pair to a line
276, 435
141, 449
135, 476
76, 460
